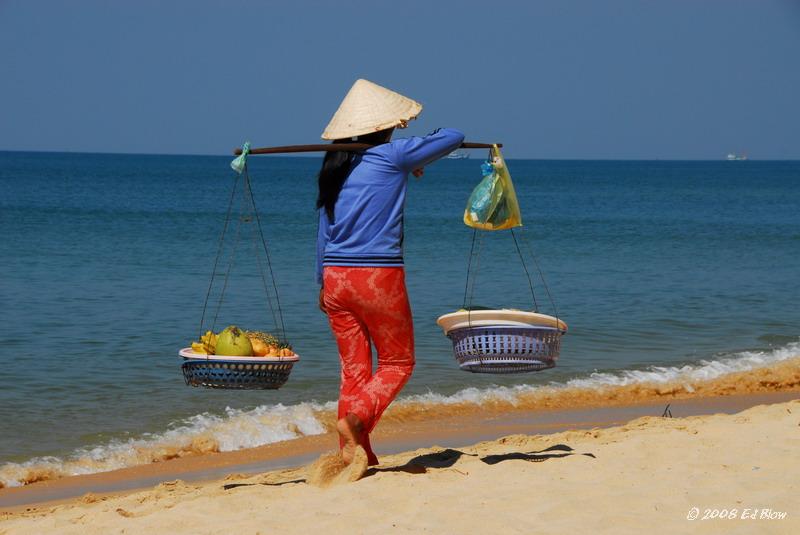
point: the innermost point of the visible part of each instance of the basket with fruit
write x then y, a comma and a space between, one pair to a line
238, 359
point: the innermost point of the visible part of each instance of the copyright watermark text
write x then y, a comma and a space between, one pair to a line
746, 513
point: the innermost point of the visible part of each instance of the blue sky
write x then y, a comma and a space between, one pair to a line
679, 79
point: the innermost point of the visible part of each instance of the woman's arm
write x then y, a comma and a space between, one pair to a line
323, 235
417, 152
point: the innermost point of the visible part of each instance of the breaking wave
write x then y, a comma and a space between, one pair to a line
199, 434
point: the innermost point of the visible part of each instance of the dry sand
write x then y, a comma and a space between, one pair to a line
647, 475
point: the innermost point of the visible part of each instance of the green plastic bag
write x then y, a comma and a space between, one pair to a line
493, 203
240, 161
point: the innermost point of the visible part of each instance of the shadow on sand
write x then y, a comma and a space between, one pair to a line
446, 459
230, 486
535, 456
421, 463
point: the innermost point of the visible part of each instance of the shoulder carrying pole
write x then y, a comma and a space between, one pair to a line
332, 147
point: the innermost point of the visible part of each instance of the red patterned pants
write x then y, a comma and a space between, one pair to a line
369, 304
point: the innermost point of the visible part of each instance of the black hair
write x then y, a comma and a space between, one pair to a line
336, 168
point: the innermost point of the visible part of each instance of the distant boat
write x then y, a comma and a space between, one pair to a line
733, 157
458, 155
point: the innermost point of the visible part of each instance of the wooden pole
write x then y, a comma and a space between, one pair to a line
330, 147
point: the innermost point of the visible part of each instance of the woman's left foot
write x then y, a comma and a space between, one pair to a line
350, 429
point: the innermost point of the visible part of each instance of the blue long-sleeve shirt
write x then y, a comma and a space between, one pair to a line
368, 215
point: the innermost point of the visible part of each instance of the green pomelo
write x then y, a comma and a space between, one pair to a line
232, 342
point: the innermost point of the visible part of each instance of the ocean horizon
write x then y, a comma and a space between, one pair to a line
318, 158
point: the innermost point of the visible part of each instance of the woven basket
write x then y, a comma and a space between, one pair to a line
506, 349
237, 373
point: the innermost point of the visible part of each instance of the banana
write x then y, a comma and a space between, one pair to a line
209, 341
207, 344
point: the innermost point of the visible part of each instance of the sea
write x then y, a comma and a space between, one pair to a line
663, 271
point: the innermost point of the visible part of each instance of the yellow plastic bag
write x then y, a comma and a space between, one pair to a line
493, 203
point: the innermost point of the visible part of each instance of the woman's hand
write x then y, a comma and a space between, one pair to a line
418, 172
322, 301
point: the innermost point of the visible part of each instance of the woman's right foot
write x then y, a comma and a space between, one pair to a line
349, 429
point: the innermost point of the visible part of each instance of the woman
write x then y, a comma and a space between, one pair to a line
360, 251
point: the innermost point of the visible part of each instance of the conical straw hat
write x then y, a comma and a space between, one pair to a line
367, 108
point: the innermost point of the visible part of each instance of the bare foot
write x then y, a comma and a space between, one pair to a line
350, 428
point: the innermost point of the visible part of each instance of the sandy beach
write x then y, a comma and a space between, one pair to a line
652, 471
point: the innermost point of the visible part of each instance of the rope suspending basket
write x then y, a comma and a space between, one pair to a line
500, 341
237, 359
